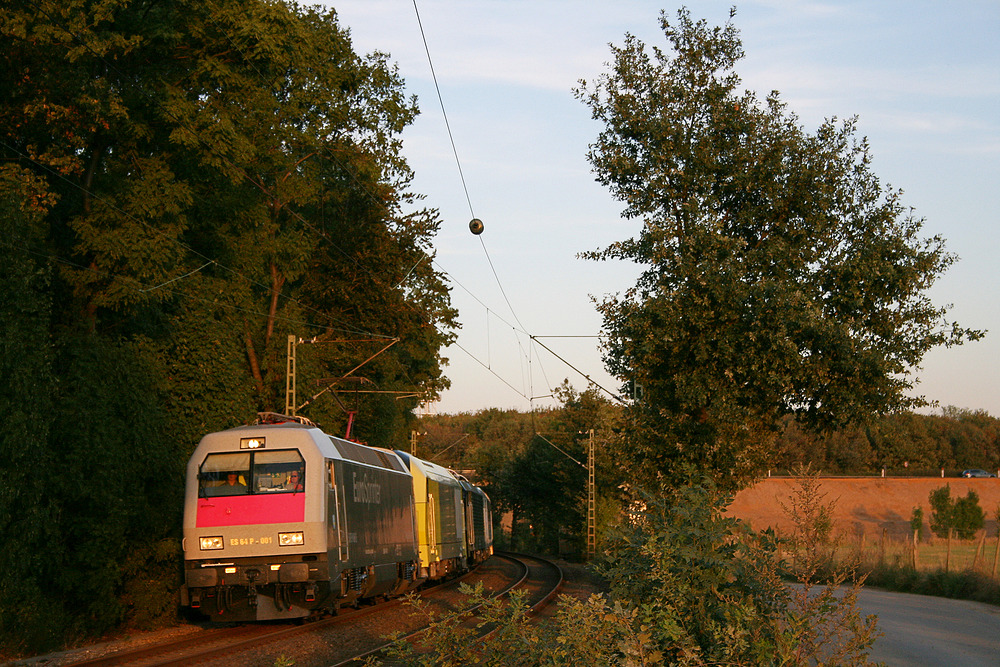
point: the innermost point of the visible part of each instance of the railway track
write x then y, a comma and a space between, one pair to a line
346, 638
541, 581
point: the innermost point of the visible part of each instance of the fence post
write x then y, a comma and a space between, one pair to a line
915, 533
975, 559
996, 554
947, 558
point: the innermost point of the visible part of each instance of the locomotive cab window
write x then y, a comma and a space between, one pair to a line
278, 471
242, 473
224, 475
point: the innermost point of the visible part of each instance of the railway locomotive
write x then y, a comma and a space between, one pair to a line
282, 521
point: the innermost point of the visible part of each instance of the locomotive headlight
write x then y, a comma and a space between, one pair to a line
290, 539
210, 543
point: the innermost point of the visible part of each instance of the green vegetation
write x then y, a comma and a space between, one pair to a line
687, 586
906, 443
182, 186
917, 523
957, 568
780, 277
962, 515
502, 447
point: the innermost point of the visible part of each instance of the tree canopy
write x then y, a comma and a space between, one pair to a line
183, 186
226, 175
781, 277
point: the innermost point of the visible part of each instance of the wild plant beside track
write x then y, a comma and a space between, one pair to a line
686, 586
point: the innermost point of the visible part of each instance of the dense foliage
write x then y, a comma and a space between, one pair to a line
529, 461
780, 277
907, 443
687, 586
533, 465
183, 186
962, 517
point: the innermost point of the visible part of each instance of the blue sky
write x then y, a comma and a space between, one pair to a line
923, 79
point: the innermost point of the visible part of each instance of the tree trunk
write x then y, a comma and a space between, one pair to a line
254, 363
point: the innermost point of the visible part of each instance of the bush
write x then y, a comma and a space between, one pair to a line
963, 516
687, 586
958, 585
710, 591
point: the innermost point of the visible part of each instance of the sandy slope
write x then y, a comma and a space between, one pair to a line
868, 504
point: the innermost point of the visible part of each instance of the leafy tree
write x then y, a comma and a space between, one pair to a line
780, 276
973, 437
917, 523
908, 438
968, 516
504, 435
941, 510
30, 614
580, 414
905, 441
230, 173
117, 478
533, 464
184, 185
964, 516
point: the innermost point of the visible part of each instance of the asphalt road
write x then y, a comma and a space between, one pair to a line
919, 630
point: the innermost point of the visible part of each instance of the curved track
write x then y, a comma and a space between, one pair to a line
541, 580
345, 638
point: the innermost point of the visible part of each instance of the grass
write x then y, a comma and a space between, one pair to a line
961, 569
888, 564
974, 555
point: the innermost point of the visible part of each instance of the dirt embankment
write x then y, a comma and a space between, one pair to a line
868, 505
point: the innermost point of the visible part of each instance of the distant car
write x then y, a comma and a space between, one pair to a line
976, 472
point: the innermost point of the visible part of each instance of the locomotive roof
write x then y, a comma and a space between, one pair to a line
329, 446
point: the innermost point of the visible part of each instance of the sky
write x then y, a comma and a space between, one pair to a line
922, 78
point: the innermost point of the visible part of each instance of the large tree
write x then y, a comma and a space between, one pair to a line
781, 277
183, 185
229, 174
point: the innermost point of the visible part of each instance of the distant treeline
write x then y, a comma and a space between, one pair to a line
903, 444
906, 443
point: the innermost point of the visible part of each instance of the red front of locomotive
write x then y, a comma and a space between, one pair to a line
255, 540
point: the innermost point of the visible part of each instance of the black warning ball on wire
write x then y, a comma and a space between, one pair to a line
476, 226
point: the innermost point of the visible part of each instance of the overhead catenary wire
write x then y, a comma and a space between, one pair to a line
588, 378
523, 329
454, 149
465, 187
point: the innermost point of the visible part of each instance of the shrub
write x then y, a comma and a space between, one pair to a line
585, 633
963, 516
687, 586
